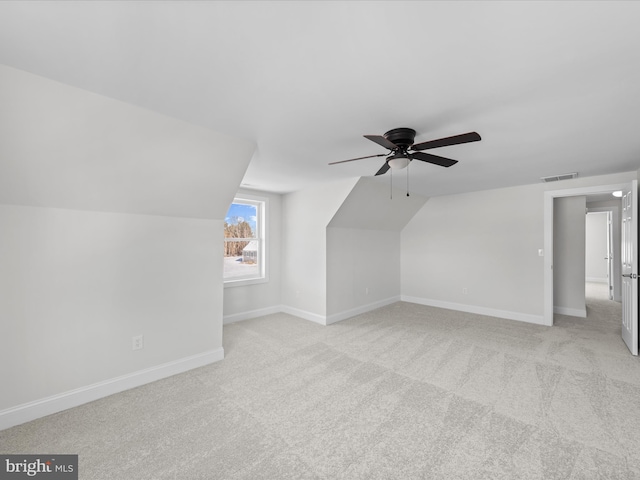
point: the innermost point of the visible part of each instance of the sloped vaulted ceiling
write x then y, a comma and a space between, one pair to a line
68, 148
552, 87
369, 207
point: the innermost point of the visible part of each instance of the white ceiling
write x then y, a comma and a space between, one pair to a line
552, 87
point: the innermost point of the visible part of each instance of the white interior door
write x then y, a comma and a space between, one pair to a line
629, 267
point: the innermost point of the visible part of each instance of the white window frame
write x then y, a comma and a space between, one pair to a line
261, 204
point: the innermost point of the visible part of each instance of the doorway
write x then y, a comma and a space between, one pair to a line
598, 258
630, 301
602, 259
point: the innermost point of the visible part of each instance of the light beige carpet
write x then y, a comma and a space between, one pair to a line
404, 392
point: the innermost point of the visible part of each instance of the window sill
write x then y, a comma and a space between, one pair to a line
244, 282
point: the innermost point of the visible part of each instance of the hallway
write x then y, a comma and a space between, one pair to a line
600, 308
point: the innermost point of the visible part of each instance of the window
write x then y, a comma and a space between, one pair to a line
244, 242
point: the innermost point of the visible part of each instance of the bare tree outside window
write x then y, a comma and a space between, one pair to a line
243, 241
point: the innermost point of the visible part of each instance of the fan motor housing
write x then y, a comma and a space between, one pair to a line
402, 137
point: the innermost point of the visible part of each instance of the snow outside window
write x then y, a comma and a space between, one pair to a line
244, 242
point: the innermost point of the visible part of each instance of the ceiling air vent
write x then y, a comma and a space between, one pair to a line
556, 178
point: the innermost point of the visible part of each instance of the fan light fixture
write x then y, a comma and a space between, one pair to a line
398, 161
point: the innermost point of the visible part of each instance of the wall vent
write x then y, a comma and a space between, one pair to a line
556, 178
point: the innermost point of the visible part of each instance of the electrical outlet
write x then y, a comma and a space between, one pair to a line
464, 290
366, 291
137, 342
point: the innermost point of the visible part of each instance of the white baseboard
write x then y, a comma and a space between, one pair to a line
337, 317
314, 317
597, 279
491, 312
572, 312
261, 312
73, 398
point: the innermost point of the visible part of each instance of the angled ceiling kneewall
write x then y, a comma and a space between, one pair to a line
64, 147
363, 248
306, 214
112, 227
369, 206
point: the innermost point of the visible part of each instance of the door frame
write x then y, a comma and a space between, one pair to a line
549, 196
610, 256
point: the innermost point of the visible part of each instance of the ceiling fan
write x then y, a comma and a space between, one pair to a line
402, 149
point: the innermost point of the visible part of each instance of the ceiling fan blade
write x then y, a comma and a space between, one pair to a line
360, 158
380, 140
445, 142
435, 159
383, 169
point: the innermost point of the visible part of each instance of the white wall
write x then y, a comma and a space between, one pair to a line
569, 255
486, 242
596, 250
363, 268
249, 301
75, 286
483, 243
305, 216
346, 234
111, 219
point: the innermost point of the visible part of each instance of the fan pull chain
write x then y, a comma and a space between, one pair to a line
391, 183
408, 177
